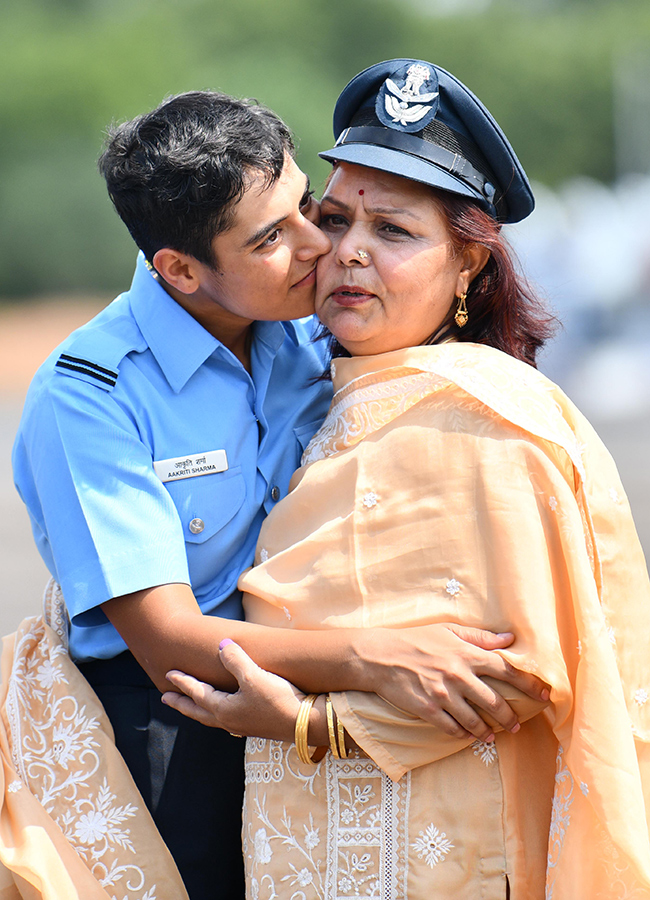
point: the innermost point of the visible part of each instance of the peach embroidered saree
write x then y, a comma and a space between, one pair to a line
455, 484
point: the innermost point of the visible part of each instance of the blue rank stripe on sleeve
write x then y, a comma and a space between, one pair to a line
85, 367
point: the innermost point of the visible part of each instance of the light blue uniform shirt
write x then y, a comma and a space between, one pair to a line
144, 382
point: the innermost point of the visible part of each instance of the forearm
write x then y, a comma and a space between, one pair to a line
264, 706
165, 629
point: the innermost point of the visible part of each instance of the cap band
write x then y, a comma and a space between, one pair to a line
406, 143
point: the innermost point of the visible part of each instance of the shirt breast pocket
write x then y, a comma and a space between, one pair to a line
207, 503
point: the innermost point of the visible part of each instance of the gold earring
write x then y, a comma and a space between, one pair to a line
462, 315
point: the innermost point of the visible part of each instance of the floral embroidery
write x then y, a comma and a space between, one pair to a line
68, 741
370, 499
433, 845
453, 587
286, 612
56, 748
49, 674
584, 787
101, 823
641, 696
311, 836
303, 877
552, 502
348, 420
560, 818
262, 844
91, 827
307, 872
485, 750
345, 885
357, 877
567, 800
363, 853
362, 847
264, 555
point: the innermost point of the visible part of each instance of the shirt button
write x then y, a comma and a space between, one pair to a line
275, 493
197, 526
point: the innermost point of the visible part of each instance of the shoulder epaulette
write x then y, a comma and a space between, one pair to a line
95, 351
106, 377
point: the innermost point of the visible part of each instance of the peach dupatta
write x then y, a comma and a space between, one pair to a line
73, 825
453, 483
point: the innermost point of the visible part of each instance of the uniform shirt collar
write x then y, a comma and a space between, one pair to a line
177, 341
179, 344
273, 333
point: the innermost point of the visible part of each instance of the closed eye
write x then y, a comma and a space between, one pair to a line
306, 201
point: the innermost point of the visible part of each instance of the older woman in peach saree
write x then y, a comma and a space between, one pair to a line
450, 482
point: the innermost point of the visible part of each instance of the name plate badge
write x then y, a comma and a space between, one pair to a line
190, 466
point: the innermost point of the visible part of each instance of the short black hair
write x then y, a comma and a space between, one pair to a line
175, 174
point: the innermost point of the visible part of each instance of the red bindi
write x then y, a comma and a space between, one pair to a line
361, 193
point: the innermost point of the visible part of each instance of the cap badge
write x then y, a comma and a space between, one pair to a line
402, 104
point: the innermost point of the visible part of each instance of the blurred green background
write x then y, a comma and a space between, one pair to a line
549, 71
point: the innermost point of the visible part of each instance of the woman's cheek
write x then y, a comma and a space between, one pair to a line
322, 272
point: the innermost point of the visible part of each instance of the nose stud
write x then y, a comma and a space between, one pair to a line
362, 254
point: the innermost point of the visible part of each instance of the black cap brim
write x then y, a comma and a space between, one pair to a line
396, 162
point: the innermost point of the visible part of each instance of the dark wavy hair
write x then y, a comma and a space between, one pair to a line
504, 311
175, 174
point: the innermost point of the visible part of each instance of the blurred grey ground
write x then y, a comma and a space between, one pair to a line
28, 333
26, 338
22, 573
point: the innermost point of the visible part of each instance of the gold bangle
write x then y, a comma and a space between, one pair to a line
340, 730
331, 728
302, 729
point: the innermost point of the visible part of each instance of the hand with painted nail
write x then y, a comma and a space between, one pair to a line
264, 705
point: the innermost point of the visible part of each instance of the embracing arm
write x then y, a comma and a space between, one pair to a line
267, 706
433, 671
